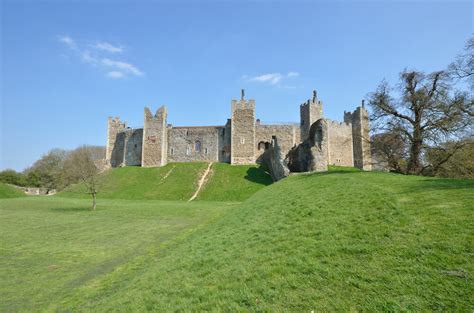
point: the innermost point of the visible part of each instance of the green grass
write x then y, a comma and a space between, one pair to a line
177, 181
170, 182
53, 246
337, 241
234, 182
10, 192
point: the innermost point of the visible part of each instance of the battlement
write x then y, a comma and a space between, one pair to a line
243, 105
115, 122
161, 113
332, 123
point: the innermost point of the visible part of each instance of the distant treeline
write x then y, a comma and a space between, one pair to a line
51, 170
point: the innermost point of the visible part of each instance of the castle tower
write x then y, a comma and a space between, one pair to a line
243, 131
360, 137
310, 112
155, 138
114, 126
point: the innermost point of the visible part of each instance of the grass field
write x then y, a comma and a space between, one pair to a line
10, 192
338, 241
178, 181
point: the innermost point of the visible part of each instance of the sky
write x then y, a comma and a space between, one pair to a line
66, 66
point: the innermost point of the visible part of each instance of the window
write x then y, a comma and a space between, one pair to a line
172, 151
206, 151
242, 140
197, 146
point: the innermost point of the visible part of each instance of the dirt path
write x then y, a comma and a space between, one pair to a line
201, 182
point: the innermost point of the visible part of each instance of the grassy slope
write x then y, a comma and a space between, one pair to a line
50, 246
338, 241
233, 182
227, 183
147, 183
10, 192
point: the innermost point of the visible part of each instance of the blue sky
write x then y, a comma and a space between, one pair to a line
67, 66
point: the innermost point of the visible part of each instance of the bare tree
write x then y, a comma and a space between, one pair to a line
80, 166
389, 152
427, 112
463, 67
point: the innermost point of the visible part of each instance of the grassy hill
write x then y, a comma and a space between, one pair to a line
178, 181
337, 241
10, 192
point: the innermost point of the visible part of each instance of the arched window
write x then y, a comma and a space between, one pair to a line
197, 146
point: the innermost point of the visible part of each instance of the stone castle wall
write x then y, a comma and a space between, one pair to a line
127, 149
243, 140
310, 112
359, 120
243, 132
187, 144
288, 136
114, 126
340, 144
155, 138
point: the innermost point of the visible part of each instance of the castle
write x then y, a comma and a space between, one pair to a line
244, 140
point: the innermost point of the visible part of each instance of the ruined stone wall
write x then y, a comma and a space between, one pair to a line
288, 137
225, 136
274, 159
310, 112
127, 148
340, 144
189, 144
243, 132
118, 152
114, 126
312, 154
361, 138
133, 147
155, 138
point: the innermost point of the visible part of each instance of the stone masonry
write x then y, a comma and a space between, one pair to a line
315, 144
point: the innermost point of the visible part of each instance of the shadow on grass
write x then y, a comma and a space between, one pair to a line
259, 175
73, 209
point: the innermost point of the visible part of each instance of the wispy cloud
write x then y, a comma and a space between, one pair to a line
105, 46
68, 41
94, 55
115, 74
124, 66
271, 78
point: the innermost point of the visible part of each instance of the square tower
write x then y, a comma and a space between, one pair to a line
155, 138
310, 112
114, 127
360, 137
243, 132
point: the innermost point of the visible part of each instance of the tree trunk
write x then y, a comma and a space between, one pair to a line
414, 163
93, 201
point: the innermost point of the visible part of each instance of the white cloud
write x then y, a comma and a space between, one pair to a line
68, 41
87, 57
115, 74
127, 67
105, 46
271, 78
95, 56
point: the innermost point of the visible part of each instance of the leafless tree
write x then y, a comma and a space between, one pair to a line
463, 67
80, 166
426, 113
